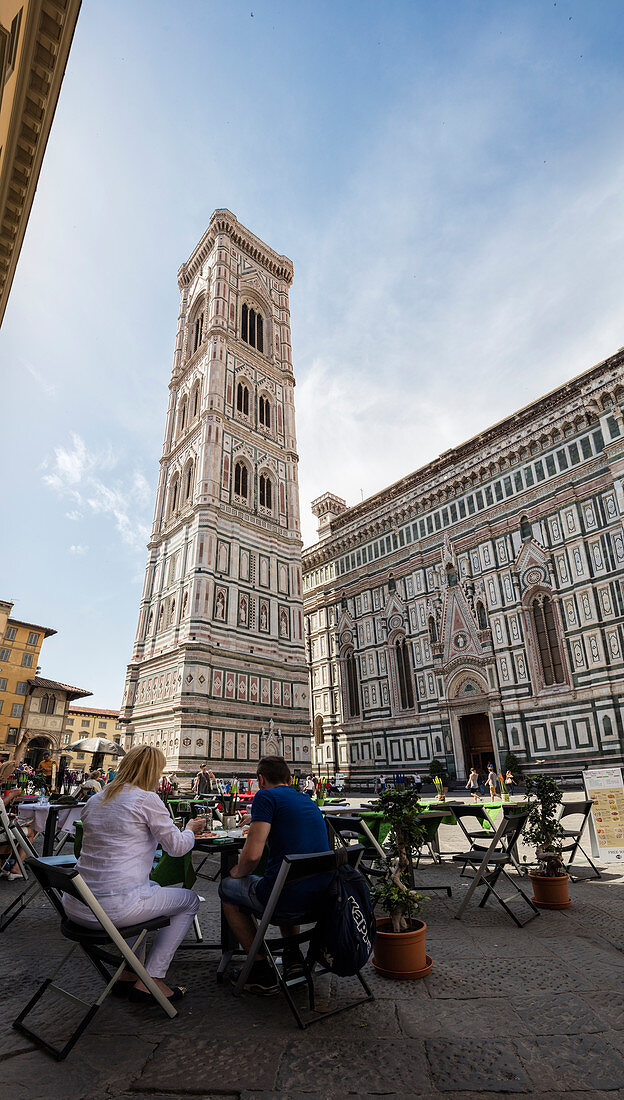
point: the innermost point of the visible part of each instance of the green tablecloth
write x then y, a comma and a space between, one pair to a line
373, 817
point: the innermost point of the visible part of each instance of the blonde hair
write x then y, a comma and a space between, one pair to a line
141, 767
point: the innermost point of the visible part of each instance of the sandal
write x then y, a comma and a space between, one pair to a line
142, 997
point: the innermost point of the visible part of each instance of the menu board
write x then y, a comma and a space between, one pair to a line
605, 788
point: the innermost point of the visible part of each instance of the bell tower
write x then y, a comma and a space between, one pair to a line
219, 649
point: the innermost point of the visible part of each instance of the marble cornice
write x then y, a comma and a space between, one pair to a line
223, 221
466, 467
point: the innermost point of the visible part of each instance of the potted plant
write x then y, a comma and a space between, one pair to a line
399, 950
543, 831
439, 778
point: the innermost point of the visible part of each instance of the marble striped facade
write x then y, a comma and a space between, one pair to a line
477, 564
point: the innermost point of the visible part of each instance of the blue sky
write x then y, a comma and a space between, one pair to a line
448, 180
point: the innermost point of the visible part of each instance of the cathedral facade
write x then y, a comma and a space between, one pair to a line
219, 650
476, 606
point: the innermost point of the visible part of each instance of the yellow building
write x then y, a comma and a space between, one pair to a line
35, 39
89, 722
20, 646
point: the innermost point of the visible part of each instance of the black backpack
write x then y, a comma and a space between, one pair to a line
344, 936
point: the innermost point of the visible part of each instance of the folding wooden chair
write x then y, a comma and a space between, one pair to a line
97, 943
297, 868
572, 836
16, 838
491, 864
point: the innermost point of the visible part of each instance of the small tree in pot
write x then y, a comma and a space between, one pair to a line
544, 833
400, 944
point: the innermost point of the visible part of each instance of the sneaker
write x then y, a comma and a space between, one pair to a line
293, 964
12, 876
262, 979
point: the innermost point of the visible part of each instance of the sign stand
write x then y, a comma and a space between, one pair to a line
605, 788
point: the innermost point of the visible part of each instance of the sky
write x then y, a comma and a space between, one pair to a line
448, 179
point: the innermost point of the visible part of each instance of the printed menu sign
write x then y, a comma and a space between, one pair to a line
604, 786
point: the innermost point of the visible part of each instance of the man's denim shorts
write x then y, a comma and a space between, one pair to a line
242, 891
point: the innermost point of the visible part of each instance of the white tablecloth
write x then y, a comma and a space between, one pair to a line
32, 811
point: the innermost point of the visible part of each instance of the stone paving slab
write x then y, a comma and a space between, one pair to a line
479, 1019
556, 1014
586, 1062
492, 1066
210, 1064
382, 1067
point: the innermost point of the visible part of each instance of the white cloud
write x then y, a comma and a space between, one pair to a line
48, 388
76, 473
79, 551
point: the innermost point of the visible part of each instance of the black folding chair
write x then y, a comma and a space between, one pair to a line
572, 836
98, 943
17, 838
490, 865
486, 827
298, 868
375, 860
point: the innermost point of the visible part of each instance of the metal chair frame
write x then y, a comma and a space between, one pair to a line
96, 945
480, 812
345, 829
581, 807
297, 868
488, 866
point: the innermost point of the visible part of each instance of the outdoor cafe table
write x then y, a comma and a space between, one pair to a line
380, 826
228, 849
49, 819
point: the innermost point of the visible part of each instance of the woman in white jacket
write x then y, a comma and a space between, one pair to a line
122, 826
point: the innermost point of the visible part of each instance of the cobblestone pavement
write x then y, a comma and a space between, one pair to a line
537, 1010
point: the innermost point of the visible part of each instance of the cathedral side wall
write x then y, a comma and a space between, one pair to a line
489, 565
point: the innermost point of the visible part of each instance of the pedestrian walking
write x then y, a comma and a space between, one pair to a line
473, 785
491, 781
510, 783
418, 782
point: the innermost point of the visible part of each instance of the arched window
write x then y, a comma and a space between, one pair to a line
150, 622
433, 633
607, 726
404, 669
241, 480
451, 576
161, 615
481, 617
252, 328
188, 481
266, 492
172, 612
182, 414
43, 705
242, 399
526, 531
198, 331
195, 400
264, 412
352, 685
547, 640
173, 495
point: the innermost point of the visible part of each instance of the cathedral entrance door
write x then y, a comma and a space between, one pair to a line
477, 741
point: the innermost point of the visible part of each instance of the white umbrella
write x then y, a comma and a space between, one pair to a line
95, 744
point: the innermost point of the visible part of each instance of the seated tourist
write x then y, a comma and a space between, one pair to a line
290, 823
122, 826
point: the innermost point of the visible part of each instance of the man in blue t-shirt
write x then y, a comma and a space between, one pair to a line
289, 823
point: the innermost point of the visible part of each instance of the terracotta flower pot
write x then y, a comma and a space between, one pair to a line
401, 955
550, 891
